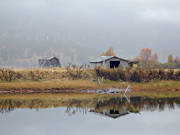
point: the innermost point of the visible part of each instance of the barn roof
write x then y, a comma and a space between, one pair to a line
53, 57
104, 58
49, 58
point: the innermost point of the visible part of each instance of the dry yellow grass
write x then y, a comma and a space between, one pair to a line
40, 69
155, 88
60, 84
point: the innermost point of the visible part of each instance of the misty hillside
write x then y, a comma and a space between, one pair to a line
76, 31
26, 53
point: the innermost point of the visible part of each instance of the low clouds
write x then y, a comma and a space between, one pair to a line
124, 24
161, 15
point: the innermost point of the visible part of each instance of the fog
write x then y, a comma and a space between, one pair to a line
77, 30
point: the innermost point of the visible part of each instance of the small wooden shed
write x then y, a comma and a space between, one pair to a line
49, 62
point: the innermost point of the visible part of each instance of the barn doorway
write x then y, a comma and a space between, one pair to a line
114, 64
114, 111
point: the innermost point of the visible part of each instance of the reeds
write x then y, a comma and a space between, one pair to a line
137, 74
7, 75
75, 73
45, 74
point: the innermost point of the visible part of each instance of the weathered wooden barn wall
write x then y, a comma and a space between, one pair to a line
50, 62
111, 62
123, 63
106, 63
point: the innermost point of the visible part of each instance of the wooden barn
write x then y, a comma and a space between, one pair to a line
49, 62
112, 62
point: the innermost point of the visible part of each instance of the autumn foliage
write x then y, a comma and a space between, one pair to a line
146, 55
109, 52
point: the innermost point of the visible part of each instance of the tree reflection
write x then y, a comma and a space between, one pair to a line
6, 106
117, 107
111, 106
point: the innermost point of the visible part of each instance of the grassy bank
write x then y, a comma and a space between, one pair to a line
153, 88
89, 84
162, 83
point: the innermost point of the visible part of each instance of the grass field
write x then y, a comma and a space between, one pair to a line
154, 88
60, 70
39, 80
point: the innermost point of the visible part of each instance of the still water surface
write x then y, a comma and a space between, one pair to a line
59, 121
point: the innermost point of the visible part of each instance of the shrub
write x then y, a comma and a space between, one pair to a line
7, 75
77, 73
136, 74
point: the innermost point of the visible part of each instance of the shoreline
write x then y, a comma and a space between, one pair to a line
150, 89
31, 91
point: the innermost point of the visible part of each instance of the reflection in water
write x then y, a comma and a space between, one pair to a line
112, 107
6, 106
117, 107
106, 116
75, 106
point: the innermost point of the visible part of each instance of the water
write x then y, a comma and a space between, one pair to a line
153, 117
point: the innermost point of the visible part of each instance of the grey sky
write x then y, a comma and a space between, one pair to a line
127, 25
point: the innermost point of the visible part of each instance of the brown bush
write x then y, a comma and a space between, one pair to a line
77, 73
7, 75
136, 74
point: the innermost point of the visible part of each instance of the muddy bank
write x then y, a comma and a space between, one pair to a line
34, 91
56, 90
53, 90
132, 92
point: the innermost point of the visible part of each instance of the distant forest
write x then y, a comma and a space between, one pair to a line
147, 59
25, 54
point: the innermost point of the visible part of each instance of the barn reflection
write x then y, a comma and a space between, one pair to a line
118, 107
113, 107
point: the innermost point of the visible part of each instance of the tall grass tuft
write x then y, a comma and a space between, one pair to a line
77, 73
7, 75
